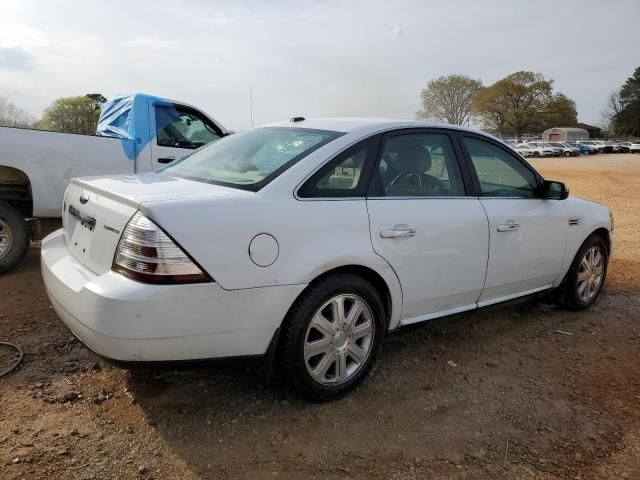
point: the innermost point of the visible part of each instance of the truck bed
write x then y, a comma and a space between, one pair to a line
51, 159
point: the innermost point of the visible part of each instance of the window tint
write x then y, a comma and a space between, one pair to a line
418, 165
342, 177
187, 130
500, 173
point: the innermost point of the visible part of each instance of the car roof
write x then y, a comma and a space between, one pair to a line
348, 124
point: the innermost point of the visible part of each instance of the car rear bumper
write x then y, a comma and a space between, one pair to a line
128, 321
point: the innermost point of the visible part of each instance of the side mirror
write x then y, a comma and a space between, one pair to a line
554, 190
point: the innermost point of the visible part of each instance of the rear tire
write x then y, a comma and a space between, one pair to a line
14, 237
325, 352
567, 154
536, 154
586, 276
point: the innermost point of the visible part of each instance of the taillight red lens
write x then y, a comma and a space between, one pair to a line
147, 254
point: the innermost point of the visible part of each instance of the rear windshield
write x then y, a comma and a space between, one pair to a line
250, 159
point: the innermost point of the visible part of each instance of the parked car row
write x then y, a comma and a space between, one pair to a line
572, 149
546, 149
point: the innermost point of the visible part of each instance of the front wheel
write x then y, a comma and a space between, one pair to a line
567, 154
14, 237
587, 274
331, 336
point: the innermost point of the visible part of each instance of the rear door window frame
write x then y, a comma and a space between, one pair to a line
467, 180
308, 191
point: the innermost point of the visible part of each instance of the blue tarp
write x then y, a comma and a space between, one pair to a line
131, 119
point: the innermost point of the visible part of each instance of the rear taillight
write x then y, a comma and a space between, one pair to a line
147, 254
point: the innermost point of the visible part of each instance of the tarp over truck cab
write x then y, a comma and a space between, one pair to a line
130, 118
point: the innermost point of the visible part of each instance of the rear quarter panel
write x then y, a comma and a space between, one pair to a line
313, 237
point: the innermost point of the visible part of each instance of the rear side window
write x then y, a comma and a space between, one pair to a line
344, 176
418, 165
500, 174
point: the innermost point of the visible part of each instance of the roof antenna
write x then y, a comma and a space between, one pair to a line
251, 105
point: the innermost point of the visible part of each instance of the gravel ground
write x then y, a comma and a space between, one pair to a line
495, 394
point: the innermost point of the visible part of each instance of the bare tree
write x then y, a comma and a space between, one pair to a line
449, 99
13, 116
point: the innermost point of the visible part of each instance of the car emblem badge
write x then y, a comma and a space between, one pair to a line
84, 198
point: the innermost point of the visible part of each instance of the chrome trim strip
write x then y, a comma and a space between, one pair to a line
83, 217
505, 298
426, 197
442, 313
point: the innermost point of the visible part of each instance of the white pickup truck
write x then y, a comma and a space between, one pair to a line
135, 134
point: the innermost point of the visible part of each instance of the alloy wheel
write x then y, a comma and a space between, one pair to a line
339, 339
590, 274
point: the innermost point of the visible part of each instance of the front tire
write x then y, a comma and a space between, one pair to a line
14, 237
331, 336
587, 274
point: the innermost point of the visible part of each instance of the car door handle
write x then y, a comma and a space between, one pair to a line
508, 227
397, 232
166, 159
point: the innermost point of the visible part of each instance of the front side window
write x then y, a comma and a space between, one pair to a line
419, 165
500, 174
251, 158
183, 129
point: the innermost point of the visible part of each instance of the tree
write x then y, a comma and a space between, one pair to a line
449, 99
523, 102
13, 116
97, 100
623, 107
73, 114
560, 112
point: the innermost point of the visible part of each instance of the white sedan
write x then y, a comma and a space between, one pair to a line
305, 242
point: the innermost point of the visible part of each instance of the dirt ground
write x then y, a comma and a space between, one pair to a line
496, 394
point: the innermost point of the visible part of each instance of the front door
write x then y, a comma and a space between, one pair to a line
422, 222
527, 235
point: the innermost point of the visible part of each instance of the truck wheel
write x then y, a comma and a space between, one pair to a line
14, 237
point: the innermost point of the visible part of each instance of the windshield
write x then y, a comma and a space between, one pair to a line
250, 159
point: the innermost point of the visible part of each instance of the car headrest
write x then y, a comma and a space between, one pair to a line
411, 157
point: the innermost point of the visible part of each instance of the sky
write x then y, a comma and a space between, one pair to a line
313, 59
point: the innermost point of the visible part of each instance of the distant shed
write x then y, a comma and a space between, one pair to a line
566, 134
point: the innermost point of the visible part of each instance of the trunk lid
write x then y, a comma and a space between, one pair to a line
96, 210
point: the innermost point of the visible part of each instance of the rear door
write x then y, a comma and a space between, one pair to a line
527, 235
178, 131
425, 225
